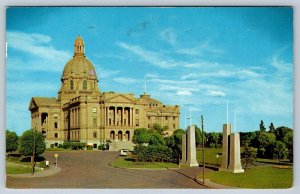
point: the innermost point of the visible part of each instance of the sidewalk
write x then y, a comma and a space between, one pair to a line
213, 185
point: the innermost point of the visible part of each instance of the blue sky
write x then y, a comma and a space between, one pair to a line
190, 56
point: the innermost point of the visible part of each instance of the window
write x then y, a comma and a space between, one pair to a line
95, 122
84, 85
55, 116
174, 118
173, 126
95, 134
109, 121
71, 85
148, 118
55, 125
55, 135
137, 111
137, 122
94, 110
166, 118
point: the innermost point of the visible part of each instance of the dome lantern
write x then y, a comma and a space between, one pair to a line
79, 46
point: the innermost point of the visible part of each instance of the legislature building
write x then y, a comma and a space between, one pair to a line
82, 113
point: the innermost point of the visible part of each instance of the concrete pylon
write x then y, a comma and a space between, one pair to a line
235, 154
183, 150
225, 147
191, 147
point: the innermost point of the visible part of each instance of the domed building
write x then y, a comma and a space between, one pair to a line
82, 113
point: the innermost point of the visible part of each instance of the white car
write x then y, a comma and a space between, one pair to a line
124, 152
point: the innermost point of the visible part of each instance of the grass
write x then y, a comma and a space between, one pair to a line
12, 168
127, 162
22, 165
260, 177
210, 156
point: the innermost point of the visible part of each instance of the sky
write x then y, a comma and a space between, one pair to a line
195, 57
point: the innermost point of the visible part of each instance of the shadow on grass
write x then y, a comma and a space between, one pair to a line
37, 159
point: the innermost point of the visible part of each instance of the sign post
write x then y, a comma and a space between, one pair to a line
56, 156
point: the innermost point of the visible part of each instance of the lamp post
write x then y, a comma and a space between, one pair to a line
202, 126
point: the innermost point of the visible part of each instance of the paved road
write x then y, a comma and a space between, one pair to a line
90, 169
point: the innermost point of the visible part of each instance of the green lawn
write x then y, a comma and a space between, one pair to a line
126, 162
12, 168
210, 155
258, 177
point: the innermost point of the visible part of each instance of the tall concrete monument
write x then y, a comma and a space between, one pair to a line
231, 154
189, 148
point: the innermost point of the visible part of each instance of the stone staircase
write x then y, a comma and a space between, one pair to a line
118, 145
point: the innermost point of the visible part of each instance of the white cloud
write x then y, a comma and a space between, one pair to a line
151, 57
184, 93
125, 80
217, 93
35, 44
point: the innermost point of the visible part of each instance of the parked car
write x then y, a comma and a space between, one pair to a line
124, 152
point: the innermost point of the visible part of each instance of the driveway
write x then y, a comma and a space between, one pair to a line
91, 169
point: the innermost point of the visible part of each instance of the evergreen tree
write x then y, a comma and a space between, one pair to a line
262, 126
272, 128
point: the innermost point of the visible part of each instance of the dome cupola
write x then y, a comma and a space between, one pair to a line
79, 74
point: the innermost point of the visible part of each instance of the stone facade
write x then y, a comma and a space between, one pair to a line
83, 113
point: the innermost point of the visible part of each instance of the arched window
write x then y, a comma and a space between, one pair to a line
84, 86
55, 135
72, 85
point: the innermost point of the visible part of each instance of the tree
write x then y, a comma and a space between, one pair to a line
248, 156
281, 131
280, 151
29, 140
157, 127
198, 135
141, 135
262, 126
156, 138
265, 144
213, 140
11, 141
272, 128
288, 140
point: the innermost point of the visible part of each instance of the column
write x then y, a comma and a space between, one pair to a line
133, 117
225, 147
115, 115
191, 147
122, 117
183, 150
131, 124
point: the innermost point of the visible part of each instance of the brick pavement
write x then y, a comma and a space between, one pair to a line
90, 169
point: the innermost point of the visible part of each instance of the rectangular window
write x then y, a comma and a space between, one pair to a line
148, 118
173, 126
166, 118
55, 125
55, 116
94, 110
174, 118
137, 122
95, 122
137, 111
